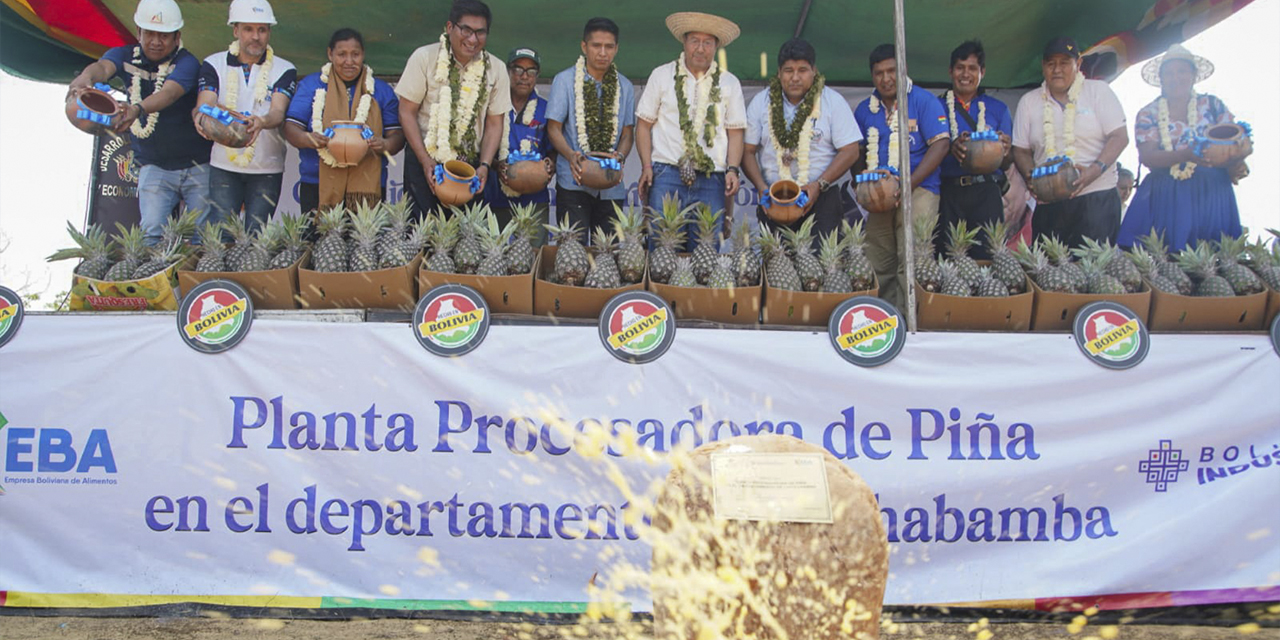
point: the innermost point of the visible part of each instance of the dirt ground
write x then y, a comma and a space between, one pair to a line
33, 628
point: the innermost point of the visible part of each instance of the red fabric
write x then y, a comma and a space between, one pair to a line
85, 19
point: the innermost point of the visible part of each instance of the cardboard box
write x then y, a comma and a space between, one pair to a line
504, 294
271, 289
1176, 313
739, 305
558, 300
394, 288
1054, 311
804, 307
1273, 308
938, 312
158, 292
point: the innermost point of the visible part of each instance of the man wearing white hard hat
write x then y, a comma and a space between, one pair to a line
250, 79
160, 78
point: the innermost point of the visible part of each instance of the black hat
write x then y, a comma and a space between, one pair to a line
1063, 45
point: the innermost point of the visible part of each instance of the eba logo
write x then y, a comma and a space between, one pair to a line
215, 316
637, 327
53, 450
1111, 335
866, 331
11, 313
451, 320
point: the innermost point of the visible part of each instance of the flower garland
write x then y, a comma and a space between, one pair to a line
873, 136
705, 115
238, 157
317, 106
146, 125
526, 145
1186, 169
951, 114
451, 134
797, 137
1068, 121
592, 134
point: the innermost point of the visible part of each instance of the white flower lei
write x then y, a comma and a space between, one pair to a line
951, 112
1068, 120
873, 136
580, 110
245, 158
804, 142
437, 139
1186, 169
138, 128
317, 106
702, 100
526, 145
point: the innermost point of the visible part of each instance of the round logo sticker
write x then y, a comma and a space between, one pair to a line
637, 327
866, 331
1111, 335
215, 316
1275, 333
11, 313
451, 320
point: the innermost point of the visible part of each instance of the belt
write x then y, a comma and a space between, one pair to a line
967, 181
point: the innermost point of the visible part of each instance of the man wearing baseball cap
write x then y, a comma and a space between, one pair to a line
1093, 141
160, 79
524, 138
260, 84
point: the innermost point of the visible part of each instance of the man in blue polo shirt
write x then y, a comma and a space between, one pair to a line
160, 78
526, 139
929, 141
976, 199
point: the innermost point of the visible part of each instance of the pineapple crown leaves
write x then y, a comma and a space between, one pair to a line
133, 244
742, 234
1200, 261
1154, 242
770, 243
628, 223
799, 239
295, 227
183, 226
831, 249
442, 231
1032, 259
603, 240
924, 226
367, 221
566, 231
210, 234
398, 213
94, 240
1230, 248
707, 220
1143, 260
1055, 249
671, 216
960, 238
234, 225
332, 220
997, 234
495, 240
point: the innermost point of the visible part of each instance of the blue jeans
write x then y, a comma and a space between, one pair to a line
258, 193
160, 190
708, 190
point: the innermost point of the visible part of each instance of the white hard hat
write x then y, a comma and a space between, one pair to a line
251, 11
163, 16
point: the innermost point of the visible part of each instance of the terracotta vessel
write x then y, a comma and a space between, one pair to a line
347, 145
878, 195
784, 194
93, 111
982, 156
1056, 185
454, 187
225, 127
596, 176
527, 176
1226, 144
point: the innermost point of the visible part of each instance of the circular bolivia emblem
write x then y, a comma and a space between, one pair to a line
1111, 335
451, 320
215, 316
1275, 333
866, 331
637, 327
11, 312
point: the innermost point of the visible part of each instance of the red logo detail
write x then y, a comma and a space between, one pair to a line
1099, 323
861, 315
628, 312
448, 303
114, 302
210, 301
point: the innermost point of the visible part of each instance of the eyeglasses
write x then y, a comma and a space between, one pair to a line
467, 32
532, 72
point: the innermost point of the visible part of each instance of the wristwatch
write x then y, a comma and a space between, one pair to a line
486, 165
735, 169
1102, 165
823, 185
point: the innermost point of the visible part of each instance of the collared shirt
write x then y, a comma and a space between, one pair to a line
998, 119
174, 144
517, 131
658, 105
1098, 113
418, 84
269, 149
299, 113
562, 109
1209, 111
833, 128
927, 123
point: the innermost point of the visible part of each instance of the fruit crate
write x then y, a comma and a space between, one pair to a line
806, 308
737, 305
1173, 313
271, 289
1054, 311
564, 301
940, 312
157, 292
392, 288
503, 294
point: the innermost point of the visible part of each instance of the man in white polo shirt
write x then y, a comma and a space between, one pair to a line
1093, 144
248, 78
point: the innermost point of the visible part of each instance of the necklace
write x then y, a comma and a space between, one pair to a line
596, 130
239, 157
798, 137
146, 125
1183, 170
317, 106
705, 116
451, 135
1068, 121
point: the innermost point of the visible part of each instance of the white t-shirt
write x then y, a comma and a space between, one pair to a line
1098, 113
658, 105
834, 128
269, 149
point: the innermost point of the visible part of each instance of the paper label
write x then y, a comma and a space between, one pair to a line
782, 487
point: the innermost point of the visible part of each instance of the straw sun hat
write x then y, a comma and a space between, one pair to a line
684, 22
1151, 70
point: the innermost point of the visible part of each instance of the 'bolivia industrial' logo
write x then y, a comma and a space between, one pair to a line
866, 331
451, 320
215, 316
11, 312
1111, 335
637, 327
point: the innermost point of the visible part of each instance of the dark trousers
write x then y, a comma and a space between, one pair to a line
1095, 215
424, 200
975, 204
586, 210
826, 212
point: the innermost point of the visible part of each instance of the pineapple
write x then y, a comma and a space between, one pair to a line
779, 270
521, 252
704, 255
1117, 266
1242, 280
91, 247
1202, 265
800, 241
1098, 280
603, 270
722, 276
241, 240
494, 242
856, 262
258, 257
214, 257
1046, 275
1146, 264
292, 239
571, 258
330, 254
1004, 267
1261, 261
133, 247
1154, 243
835, 278
442, 235
173, 244
366, 223
746, 264
670, 237
953, 284
960, 238
417, 238
683, 277
1059, 255
928, 272
467, 254
392, 249
989, 286
629, 227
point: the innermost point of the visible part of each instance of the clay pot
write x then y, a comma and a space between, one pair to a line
527, 176
1055, 187
880, 195
982, 156
1225, 144
234, 134
595, 176
455, 188
784, 209
93, 111
347, 145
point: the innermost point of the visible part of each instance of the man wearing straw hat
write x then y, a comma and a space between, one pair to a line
250, 79
692, 120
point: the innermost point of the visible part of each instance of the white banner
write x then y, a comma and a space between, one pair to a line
342, 460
